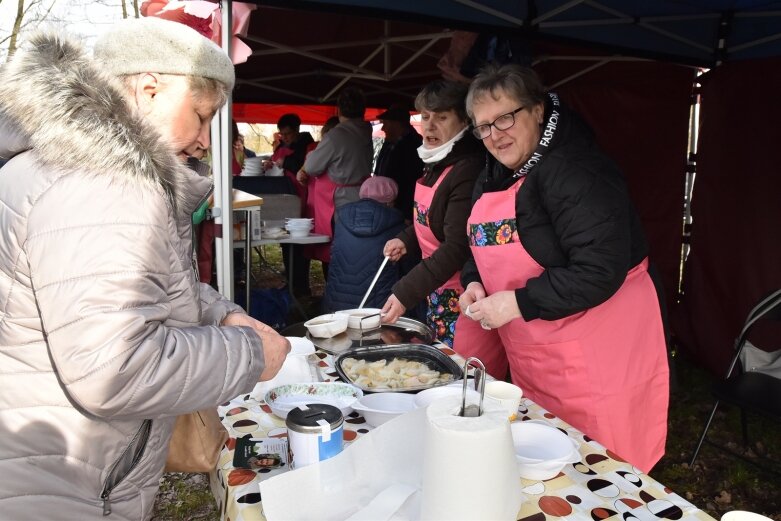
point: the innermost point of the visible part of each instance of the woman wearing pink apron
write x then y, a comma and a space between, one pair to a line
453, 158
320, 206
558, 278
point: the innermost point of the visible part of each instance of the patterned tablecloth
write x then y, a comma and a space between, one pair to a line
601, 486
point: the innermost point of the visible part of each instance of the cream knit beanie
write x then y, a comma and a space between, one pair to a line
140, 45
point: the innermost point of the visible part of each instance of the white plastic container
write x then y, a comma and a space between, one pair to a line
327, 326
364, 318
424, 398
542, 450
381, 407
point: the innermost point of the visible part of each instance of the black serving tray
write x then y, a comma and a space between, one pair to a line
432, 357
404, 331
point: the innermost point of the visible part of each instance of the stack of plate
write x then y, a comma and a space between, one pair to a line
252, 166
299, 227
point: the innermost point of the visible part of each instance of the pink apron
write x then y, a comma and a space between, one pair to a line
428, 243
603, 370
320, 206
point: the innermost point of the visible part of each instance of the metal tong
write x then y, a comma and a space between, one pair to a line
472, 410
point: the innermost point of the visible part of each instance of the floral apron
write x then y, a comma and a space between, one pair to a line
603, 370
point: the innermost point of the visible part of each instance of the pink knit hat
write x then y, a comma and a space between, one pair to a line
381, 189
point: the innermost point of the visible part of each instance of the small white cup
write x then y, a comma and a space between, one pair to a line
507, 394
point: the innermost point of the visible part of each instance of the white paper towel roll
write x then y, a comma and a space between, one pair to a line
469, 469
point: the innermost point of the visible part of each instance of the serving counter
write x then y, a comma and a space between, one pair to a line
600, 486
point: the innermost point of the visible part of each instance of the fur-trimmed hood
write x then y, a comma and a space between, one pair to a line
56, 102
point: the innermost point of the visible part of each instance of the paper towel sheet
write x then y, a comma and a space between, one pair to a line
339, 487
389, 460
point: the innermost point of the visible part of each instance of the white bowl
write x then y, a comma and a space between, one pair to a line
327, 326
357, 318
285, 398
274, 171
381, 407
425, 397
541, 450
743, 515
295, 369
296, 222
297, 234
300, 346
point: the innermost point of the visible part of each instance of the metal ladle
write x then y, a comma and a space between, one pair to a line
472, 410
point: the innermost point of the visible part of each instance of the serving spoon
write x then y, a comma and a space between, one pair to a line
374, 281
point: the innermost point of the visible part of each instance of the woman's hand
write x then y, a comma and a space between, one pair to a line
392, 309
302, 177
275, 346
394, 249
473, 292
493, 311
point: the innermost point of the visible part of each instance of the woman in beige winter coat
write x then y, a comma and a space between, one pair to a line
105, 333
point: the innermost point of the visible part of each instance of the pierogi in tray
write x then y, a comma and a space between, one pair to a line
395, 373
396, 368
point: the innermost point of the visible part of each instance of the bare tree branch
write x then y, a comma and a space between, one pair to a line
20, 12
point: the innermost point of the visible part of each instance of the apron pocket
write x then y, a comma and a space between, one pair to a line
555, 377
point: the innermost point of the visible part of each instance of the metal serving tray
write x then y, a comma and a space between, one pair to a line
432, 357
404, 331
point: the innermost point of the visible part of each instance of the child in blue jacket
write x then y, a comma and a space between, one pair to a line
361, 230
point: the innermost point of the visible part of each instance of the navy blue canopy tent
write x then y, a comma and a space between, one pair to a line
630, 67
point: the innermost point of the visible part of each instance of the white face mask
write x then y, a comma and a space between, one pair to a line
434, 155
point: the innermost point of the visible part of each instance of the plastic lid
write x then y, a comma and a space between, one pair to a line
306, 418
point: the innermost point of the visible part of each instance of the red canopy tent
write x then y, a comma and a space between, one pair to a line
309, 114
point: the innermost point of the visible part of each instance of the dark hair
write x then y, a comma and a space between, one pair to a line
289, 121
441, 96
329, 124
351, 103
520, 83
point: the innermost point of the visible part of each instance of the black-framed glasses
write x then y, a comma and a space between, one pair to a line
503, 122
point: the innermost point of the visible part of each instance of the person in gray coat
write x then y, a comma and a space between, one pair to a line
106, 334
344, 155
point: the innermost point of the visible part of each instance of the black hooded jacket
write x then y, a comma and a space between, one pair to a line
574, 218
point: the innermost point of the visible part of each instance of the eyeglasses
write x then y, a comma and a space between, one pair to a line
503, 122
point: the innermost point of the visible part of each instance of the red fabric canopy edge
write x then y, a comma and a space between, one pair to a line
309, 114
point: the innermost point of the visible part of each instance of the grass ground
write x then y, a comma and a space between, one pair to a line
718, 482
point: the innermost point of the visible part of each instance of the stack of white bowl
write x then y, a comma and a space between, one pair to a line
252, 166
299, 226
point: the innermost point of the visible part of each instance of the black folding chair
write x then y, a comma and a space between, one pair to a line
756, 385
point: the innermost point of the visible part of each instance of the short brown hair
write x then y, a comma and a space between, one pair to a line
441, 96
519, 82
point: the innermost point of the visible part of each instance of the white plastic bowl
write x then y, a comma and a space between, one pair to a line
327, 326
381, 407
284, 398
425, 397
357, 320
297, 234
743, 515
541, 450
295, 369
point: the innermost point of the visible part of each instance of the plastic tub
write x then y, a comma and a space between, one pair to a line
327, 326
